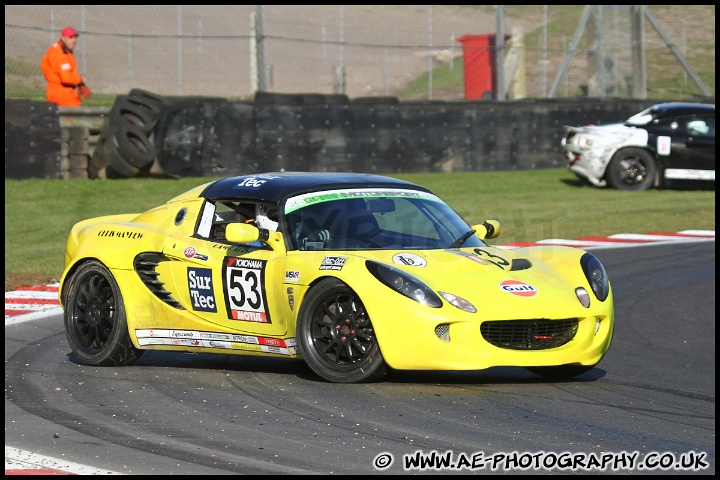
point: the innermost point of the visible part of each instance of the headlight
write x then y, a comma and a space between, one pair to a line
404, 284
596, 276
458, 302
584, 142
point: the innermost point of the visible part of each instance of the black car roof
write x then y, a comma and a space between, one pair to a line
275, 186
676, 109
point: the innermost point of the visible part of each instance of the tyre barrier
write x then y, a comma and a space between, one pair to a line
125, 146
133, 145
375, 101
298, 99
128, 109
74, 152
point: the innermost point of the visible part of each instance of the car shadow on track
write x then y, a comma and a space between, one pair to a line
674, 185
298, 368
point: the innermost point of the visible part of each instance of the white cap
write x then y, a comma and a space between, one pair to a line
262, 220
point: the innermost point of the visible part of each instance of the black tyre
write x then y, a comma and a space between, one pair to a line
148, 98
119, 165
134, 145
336, 337
560, 372
95, 322
375, 101
129, 110
631, 169
272, 98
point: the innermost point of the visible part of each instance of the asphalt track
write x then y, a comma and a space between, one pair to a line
200, 414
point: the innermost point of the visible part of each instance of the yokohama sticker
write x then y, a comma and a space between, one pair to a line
518, 288
243, 284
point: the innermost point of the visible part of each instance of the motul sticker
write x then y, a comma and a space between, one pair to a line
518, 288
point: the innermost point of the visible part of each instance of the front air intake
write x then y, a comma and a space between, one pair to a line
145, 264
529, 334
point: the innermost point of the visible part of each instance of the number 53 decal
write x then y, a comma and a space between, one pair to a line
243, 280
492, 258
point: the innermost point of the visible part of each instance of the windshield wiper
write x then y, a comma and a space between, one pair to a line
462, 239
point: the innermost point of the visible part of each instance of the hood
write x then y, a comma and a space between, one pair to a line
610, 128
501, 283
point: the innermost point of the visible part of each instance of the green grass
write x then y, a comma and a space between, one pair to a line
530, 205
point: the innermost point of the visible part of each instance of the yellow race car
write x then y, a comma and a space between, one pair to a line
354, 273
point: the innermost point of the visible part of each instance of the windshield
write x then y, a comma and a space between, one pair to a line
373, 219
642, 118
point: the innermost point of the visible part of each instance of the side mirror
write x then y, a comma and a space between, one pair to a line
248, 233
244, 233
489, 229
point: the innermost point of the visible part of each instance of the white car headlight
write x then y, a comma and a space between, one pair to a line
458, 302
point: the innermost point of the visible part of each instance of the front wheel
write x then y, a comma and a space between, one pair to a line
95, 322
336, 337
631, 169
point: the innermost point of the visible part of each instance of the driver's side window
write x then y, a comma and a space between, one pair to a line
702, 127
229, 212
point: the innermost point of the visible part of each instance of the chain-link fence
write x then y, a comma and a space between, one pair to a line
414, 52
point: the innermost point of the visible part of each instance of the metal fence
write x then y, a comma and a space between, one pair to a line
414, 52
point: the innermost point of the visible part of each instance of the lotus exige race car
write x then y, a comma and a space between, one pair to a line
354, 273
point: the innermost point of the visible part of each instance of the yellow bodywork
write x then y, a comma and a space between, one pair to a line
201, 276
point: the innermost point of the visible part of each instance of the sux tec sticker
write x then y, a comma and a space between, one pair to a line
201, 289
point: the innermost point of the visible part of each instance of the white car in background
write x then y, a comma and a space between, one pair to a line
665, 143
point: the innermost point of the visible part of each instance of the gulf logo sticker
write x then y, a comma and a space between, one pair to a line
516, 287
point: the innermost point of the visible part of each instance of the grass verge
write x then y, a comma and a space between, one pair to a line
530, 205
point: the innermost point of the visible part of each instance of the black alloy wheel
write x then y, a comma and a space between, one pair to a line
95, 322
336, 336
631, 169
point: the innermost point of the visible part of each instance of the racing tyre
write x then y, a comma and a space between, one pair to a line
560, 372
95, 322
631, 169
336, 337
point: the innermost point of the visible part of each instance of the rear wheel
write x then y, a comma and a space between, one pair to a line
631, 169
336, 337
95, 322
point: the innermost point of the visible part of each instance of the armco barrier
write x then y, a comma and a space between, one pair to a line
207, 136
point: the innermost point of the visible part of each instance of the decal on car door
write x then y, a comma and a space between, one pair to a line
201, 289
243, 284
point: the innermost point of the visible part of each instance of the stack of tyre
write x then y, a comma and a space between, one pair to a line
125, 146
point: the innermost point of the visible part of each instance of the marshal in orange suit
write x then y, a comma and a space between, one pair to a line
60, 70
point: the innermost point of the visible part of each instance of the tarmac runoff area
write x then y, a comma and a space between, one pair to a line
31, 303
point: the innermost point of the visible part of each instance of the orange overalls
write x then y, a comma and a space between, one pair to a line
58, 66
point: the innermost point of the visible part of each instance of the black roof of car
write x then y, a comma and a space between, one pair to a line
676, 109
275, 186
